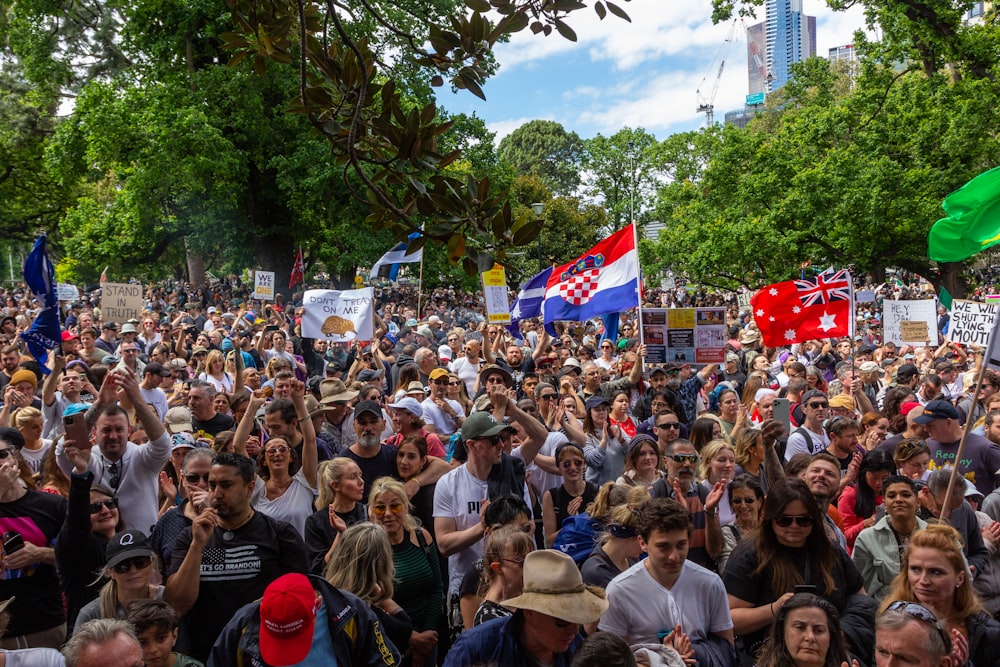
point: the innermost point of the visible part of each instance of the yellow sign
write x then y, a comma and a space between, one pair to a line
495, 295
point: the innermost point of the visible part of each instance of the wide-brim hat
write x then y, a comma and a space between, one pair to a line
333, 390
494, 369
553, 586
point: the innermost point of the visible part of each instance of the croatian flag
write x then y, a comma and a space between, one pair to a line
528, 303
603, 280
398, 254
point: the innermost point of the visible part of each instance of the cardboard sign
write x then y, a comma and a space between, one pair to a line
339, 315
894, 313
495, 295
263, 285
971, 322
121, 302
913, 330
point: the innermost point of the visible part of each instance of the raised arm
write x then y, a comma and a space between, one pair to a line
245, 427
310, 459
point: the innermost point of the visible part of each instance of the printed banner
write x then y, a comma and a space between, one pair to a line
339, 315
121, 302
495, 295
971, 322
895, 313
684, 335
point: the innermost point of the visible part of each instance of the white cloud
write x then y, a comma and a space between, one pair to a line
504, 127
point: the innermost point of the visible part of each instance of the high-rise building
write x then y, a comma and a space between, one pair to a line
786, 36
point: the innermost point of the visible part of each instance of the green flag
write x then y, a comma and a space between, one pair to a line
973, 222
944, 298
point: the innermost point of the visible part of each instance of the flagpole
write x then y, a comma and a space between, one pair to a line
420, 288
638, 285
945, 514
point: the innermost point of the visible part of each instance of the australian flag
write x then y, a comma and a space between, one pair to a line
528, 303
45, 331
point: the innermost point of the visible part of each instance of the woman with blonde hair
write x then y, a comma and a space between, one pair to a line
338, 506
609, 496
215, 372
131, 570
363, 565
934, 573
28, 421
617, 547
718, 464
419, 588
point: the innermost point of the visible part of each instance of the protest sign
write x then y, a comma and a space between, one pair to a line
894, 313
971, 322
339, 315
67, 292
913, 330
121, 302
684, 335
263, 285
495, 295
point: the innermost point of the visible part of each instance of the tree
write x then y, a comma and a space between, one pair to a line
622, 174
545, 149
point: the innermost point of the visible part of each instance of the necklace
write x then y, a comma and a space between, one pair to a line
230, 533
275, 491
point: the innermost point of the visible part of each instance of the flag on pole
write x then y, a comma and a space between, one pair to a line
298, 271
399, 254
45, 331
610, 321
104, 275
528, 302
973, 222
799, 310
603, 280
944, 298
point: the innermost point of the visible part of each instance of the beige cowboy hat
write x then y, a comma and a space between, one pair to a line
333, 390
553, 586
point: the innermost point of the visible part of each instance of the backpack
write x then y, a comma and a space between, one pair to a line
577, 537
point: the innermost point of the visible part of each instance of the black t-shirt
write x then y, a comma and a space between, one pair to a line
742, 582
37, 518
236, 571
212, 427
382, 464
319, 534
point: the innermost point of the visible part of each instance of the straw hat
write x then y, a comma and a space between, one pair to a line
553, 586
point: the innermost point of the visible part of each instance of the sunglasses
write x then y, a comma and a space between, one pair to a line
575, 463
742, 501
785, 521
683, 458
818, 405
110, 504
923, 614
454, 384
4, 453
194, 478
394, 507
439, 381
139, 562
676, 425
547, 397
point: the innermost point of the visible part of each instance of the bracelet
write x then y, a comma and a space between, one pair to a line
415, 478
771, 607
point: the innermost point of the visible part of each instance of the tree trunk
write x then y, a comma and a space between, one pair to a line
951, 278
877, 275
195, 265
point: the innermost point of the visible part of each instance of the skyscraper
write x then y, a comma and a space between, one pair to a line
786, 36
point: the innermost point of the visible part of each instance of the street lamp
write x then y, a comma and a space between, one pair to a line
538, 207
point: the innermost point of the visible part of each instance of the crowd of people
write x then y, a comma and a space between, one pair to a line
204, 485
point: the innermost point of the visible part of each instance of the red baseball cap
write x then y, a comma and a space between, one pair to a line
287, 617
905, 408
68, 335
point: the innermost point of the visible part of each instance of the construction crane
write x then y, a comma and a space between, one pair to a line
706, 105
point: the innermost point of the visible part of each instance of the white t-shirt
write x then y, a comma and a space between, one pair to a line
34, 657
797, 443
34, 457
458, 496
540, 480
294, 505
467, 371
639, 607
443, 423
157, 399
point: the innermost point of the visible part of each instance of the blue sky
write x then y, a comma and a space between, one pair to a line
639, 74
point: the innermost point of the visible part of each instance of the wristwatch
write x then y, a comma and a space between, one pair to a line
712, 513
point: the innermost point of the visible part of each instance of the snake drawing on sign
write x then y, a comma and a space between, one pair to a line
338, 326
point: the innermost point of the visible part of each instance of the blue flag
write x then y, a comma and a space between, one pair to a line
611, 321
45, 331
528, 303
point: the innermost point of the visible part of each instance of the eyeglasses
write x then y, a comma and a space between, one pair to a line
395, 507
785, 521
138, 562
676, 425
110, 504
818, 405
922, 613
5, 452
742, 501
683, 458
194, 478
575, 463
278, 450
516, 561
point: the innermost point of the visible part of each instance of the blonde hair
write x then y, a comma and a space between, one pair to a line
709, 453
21, 418
395, 487
330, 473
609, 495
362, 563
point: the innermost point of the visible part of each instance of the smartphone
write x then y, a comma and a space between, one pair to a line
783, 413
806, 588
12, 541
271, 327
77, 430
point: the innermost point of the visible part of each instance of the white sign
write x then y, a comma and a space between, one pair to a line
263, 285
67, 292
339, 315
894, 313
971, 322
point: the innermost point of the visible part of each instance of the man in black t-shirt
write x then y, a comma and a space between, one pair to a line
205, 420
229, 555
375, 459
